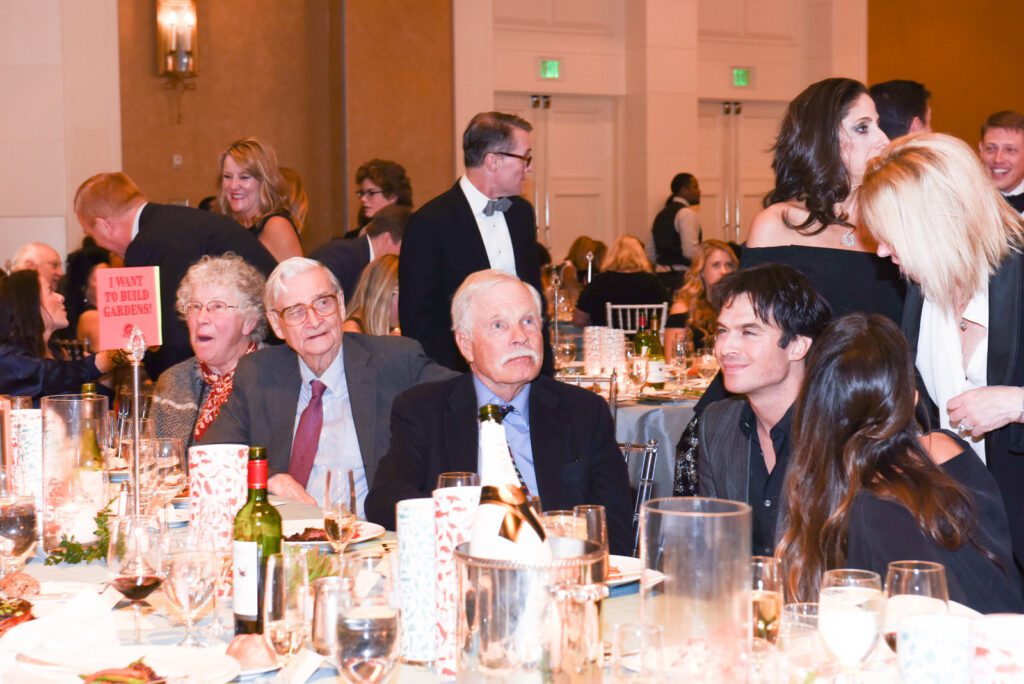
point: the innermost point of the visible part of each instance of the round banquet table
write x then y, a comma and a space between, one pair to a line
638, 422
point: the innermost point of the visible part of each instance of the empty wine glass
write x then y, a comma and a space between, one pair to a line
766, 596
339, 510
913, 588
286, 600
458, 479
850, 615
134, 560
636, 372
678, 360
190, 573
367, 621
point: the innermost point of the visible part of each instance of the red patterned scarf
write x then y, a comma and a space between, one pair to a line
220, 389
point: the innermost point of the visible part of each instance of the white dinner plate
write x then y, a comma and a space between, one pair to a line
53, 595
257, 671
200, 665
628, 567
364, 531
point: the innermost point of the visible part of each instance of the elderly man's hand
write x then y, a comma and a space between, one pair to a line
984, 409
287, 486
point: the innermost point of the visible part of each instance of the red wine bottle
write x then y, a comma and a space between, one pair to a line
257, 535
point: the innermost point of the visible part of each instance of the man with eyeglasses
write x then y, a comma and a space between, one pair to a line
480, 223
318, 404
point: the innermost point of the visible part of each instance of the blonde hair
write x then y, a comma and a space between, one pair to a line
298, 200
260, 161
694, 292
928, 197
627, 255
370, 305
106, 195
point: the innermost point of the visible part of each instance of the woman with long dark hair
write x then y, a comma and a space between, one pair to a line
30, 312
865, 487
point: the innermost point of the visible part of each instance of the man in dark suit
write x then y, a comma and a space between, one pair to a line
1002, 152
114, 212
346, 259
768, 317
560, 437
317, 404
480, 223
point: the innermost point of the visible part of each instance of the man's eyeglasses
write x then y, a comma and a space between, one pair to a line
368, 193
325, 305
528, 158
215, 307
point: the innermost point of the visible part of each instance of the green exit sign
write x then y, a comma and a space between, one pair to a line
550, 68
742, 77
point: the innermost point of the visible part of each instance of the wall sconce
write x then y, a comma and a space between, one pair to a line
177, 44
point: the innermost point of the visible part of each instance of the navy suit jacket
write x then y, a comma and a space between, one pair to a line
346, 259
174, 238
442, 245
434, 430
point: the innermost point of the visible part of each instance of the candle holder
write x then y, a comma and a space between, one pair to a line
177, 41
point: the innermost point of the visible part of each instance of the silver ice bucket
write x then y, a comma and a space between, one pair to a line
526, 623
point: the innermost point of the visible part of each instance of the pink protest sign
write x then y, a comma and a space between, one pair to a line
127, 297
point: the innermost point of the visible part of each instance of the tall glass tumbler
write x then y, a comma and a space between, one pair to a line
695, 554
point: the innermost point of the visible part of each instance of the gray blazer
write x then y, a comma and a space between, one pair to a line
723, 461
261, 408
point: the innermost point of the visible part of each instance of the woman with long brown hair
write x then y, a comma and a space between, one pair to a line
691, 308
865, 487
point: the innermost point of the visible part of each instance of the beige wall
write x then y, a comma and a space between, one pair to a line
957, 49
265, 70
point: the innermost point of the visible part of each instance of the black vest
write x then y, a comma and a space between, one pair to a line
668, 246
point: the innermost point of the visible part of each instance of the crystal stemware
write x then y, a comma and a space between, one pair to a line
850, 615
190, 574
368, 621
134, 560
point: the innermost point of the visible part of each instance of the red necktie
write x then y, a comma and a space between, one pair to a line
307, 436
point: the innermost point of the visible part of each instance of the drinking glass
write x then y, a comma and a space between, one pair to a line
591, 519
126, 440
327, 595
636, 371
707, 365
636, 652
565, 354
164, 472
563, 523
458, 479
134, 560
679, 357
190, 574
339, 511
850, 615
766, 596
210, 539
18, 531
913, 588
799, 643
285, 601
367, 621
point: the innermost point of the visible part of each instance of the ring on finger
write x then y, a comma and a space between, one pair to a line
965, 428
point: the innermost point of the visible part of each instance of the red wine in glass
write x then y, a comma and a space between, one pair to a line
137, 588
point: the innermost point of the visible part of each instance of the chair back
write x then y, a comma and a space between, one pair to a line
627, 316
644, 481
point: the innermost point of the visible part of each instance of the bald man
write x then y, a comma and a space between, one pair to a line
41, 257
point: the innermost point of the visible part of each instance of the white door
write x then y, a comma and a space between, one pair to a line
735, 163
574, 182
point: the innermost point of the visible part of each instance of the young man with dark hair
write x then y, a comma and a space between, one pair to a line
768, 317
903, 107
1002, 152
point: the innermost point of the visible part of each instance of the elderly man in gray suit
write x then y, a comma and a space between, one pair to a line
318, 404
768, 316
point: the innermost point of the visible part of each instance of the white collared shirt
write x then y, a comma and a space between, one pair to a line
135, 222
338, 446
940, 357
688, 227
493, 229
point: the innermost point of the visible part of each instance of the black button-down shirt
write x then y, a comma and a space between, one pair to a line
765, 491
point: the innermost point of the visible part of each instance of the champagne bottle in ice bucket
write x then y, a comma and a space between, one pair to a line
506, 526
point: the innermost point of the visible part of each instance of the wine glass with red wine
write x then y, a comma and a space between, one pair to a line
134, 560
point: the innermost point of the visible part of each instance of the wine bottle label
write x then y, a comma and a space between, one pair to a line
655, 371
245, 574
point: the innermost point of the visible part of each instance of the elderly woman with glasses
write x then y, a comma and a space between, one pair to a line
221, 300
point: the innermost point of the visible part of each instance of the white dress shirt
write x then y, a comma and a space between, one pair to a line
338, 446
940, 357
688, 226
493, 229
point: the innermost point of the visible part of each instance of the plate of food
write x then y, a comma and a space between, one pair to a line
623, 570
254, 655
125, 663
309, 533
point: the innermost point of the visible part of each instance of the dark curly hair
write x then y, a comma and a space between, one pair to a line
21, 320
808, 164
390, 177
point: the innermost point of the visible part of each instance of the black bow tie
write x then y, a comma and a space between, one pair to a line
1016, 201
501, 205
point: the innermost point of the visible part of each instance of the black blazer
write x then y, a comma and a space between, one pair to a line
442, 245
174, 238
434, 430
346, 259
1004, 448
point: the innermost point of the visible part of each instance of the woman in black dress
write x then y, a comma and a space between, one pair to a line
254, 193
626, 277
864, 487
691, 309
828, 135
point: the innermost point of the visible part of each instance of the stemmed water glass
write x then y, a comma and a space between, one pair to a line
190, 574
135, 560
339, 508
286, 603
850, 615
679, 355
164, 472
707, 365
636, 371
565, 354
18, 530
367, 620
913, 588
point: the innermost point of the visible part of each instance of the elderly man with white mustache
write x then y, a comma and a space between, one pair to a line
561, 437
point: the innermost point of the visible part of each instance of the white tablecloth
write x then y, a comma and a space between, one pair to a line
639, 422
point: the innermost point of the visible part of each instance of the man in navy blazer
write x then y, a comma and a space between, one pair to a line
480, 223
560, 437
114, 212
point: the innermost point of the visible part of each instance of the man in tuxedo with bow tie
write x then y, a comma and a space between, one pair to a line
480, 223
1002, 152
561, 438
